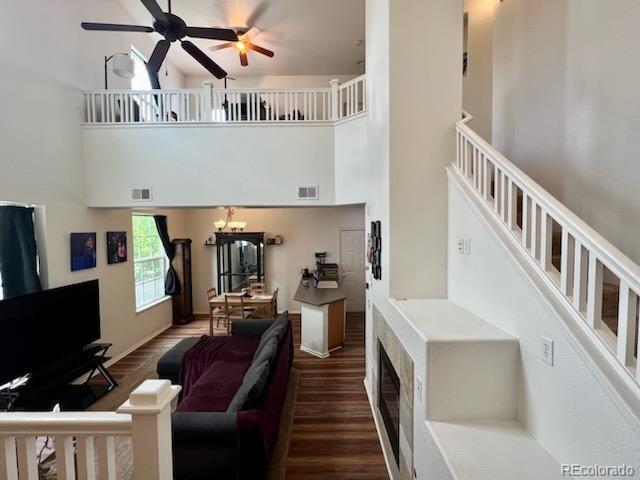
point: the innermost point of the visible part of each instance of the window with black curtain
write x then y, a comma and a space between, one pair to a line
18, 252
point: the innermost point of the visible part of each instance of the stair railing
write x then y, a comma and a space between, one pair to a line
85, 442
532, 215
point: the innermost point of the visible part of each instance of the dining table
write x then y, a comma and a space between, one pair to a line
260, 301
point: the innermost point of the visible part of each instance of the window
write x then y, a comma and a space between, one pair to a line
140, 81
150, 261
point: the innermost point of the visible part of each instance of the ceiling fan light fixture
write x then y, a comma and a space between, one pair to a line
241, 46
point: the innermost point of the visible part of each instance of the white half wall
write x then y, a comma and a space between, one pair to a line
351, 161
209, 165
566, 102
563, 406
305, 231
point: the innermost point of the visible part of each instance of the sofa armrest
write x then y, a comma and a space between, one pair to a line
204, 444
250, 327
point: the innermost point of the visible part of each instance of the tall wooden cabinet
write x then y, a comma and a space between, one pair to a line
183, 301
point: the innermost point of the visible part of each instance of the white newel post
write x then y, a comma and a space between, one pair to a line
208, 101
150, 409
334, 99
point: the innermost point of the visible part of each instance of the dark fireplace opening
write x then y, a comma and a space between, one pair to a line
389, 400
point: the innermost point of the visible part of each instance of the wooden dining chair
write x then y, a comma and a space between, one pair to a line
235, 310
274, 304
216, 313
258, 287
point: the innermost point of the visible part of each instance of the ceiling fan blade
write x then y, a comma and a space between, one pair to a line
203, 59
213, 33
155, 11
155, 81
259, 49
158, 56
111, 27
221, 46
244, 61
257, 13
253, 32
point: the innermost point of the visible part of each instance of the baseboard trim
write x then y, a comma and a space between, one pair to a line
150, 337
313, 352
378, 430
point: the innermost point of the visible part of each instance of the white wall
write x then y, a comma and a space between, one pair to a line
477, 85
210, 165
269, 81
351, 161
305, 231
47, 60
566, 102
564, 406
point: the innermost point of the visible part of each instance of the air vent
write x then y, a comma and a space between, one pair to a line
141, 194
308, 193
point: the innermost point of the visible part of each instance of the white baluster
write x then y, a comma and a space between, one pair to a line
512, 206
335, 100
546, 241
106, 457
594, 292
86, 458
526, 230
150, 408
207, 88
27, 458
566, 263
627, 334
8, 459
535, 229
65, 464
580, 266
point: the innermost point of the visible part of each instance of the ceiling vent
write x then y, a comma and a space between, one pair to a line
141, 194
308, 193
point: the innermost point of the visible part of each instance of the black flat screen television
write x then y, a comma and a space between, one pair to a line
39, 329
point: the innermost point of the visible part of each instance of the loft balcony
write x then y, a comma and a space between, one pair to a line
204, 147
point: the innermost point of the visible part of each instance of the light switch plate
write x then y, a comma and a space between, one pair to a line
464, 246
546, 350
419, 388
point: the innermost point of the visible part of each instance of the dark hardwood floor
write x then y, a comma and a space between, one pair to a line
333, 435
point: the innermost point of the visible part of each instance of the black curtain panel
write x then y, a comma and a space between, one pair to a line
171, 283
18, 252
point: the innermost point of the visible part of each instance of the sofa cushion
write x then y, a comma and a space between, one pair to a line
276, 330
213, 371
252, 386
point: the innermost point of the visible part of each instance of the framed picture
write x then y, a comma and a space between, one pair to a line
116, 247
83, 251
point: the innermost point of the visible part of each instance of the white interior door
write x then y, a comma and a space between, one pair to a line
353, 267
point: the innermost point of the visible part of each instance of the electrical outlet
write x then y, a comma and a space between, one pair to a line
464, 246
419, 388
547, 350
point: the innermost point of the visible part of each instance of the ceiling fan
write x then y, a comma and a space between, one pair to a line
244, 43
173, 29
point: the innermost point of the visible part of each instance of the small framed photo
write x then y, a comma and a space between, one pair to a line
83, 251
116, 247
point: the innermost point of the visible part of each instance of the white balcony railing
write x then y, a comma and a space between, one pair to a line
583, 268
85, 442
210, 105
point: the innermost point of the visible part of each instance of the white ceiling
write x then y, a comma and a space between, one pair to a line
309, 37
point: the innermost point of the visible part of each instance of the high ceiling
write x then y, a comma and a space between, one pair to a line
309, 37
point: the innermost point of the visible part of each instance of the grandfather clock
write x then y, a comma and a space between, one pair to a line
183, 301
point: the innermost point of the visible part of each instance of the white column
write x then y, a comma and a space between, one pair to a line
150, 408
334, 99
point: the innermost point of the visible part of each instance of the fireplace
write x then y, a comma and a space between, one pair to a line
389, 400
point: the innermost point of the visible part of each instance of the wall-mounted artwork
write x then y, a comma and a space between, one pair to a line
375, 252
116, 247
83, 251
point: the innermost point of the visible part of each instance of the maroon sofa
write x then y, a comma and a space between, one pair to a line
228, 415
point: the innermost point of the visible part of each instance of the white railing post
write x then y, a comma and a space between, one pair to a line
335, 111
150, 409
207, 115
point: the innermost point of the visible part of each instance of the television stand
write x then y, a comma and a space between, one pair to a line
55, 384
